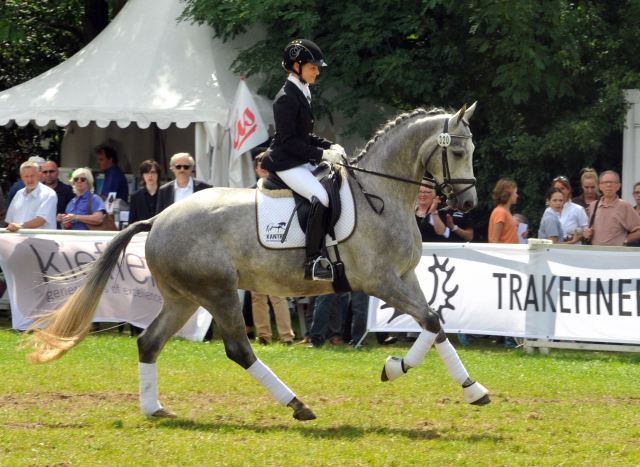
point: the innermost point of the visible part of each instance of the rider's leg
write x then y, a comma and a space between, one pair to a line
301, 180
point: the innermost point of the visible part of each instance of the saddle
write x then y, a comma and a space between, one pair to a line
331, 181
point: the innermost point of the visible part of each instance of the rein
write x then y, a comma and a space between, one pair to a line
446, 187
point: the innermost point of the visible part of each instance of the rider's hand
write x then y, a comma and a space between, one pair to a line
340, 149
331, 155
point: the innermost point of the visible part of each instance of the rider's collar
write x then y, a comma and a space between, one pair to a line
303, 87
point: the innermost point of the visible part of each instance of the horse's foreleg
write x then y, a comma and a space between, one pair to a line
432, 332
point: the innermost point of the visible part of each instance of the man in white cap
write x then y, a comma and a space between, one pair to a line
34, 206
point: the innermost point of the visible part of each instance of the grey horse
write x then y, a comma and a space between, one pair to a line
202, 250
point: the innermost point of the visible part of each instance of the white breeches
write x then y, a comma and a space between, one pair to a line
301, 180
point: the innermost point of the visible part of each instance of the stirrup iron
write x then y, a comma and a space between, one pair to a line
316, 263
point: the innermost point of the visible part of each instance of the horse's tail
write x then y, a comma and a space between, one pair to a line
53, 334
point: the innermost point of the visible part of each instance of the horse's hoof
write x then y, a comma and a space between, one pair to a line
392, 370
300, 410
476, 394
484, 400
164, 413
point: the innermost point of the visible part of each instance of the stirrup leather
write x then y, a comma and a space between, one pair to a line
315, 266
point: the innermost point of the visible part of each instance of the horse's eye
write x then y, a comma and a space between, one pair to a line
459, 154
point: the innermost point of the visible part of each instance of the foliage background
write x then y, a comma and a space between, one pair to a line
548, 76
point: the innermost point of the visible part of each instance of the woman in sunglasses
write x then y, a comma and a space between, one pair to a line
572, 216
77, 213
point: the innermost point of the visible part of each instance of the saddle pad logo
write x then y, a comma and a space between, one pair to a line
275, 231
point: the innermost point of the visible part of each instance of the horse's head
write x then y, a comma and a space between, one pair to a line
451, 162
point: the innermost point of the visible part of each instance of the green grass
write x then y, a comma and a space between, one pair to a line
566, 408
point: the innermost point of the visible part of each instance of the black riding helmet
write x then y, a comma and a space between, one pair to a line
301, 51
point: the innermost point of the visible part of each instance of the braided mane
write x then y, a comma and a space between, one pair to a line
391, 124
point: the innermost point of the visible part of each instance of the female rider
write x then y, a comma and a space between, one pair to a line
295, 150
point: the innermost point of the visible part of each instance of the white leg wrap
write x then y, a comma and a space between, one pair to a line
452, 361
419, 349
148, 388
263, 375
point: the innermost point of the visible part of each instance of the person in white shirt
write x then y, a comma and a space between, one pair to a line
182, 165
34, 206
572, 216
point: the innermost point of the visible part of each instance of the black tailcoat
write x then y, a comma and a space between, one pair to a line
294, 143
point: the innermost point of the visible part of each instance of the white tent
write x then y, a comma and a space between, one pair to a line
172, 79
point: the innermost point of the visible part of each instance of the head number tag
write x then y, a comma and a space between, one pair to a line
444, 139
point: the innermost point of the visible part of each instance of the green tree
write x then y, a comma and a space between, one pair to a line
548, 76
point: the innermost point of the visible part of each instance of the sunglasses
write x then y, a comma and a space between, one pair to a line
79, 179
561, 177
180, 167
49, 171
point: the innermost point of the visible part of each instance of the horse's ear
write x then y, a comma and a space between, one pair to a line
460, 114
469, 113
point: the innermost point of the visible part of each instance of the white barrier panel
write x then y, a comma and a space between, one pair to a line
29, 260
535, 291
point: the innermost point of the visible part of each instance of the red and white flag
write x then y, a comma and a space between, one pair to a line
247, 128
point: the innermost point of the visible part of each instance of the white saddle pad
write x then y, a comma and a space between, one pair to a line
273, 214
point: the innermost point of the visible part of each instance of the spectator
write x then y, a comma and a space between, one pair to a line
460, 225
360, 310
19, 185
327, 319
77, 213
572, 216
636, 208
34, 206
502, 227
615, 222
550, 225
144, 201
590, 192
114, 179
63, 191
182, 165
519, 218
262, 319
85, 208
430, 224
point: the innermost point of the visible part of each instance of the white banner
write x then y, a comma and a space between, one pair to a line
247, 128
535, 291
29, 261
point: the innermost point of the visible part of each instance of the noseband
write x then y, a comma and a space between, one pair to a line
446, 187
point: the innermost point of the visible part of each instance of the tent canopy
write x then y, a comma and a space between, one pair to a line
144, 67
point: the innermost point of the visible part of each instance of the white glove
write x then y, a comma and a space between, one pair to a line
331, 155
340, 149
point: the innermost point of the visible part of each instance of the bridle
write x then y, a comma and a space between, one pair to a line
446, 187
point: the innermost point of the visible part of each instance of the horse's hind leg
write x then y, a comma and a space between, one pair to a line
174, 314
226, 310
474, 392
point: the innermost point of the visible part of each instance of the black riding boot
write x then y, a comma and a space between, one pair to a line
316, 232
